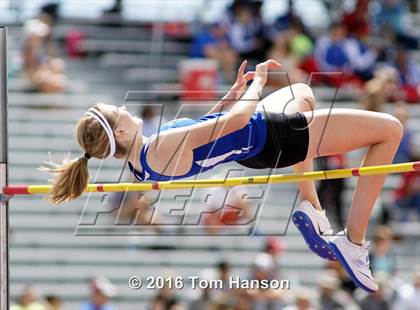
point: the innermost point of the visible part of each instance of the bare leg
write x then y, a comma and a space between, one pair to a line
347, 130
295, 98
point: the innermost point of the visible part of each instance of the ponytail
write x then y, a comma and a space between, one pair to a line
70, 181
95, 137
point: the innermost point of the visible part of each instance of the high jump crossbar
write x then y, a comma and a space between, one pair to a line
227, 182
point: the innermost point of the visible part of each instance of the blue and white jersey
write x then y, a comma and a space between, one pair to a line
238, 145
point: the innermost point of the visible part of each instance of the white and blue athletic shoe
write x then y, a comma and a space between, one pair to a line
315, 229
355, 259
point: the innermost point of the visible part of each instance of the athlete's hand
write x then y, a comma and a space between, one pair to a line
242, 79
262, 69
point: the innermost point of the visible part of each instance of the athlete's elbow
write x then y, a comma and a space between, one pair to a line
240, 119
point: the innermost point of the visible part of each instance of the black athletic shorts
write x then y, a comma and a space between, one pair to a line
287, 137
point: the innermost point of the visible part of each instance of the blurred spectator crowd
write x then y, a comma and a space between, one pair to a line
101, 291
334, 291
44, 71
367, 48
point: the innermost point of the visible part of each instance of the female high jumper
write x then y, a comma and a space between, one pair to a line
283, 129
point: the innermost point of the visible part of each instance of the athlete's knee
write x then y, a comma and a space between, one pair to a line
398, 128
395, 128
304, 94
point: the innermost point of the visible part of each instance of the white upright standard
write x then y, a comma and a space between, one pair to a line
4, 211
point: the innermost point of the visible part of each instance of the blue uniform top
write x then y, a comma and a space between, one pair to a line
238, 145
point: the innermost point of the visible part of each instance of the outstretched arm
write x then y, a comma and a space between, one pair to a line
245, 107
191, 137
235, 92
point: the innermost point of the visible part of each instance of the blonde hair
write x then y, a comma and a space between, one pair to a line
72, 176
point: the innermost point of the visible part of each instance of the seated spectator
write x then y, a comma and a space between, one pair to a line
279, 78
275, 248
102, 290
225, 207
221, 297
27, 300
337, 52
330, 55
246, 32
49, 15
345, 283
407, 195
356, 19
263, 269
44, 72
284, 21
133, 208
391, 19
302, 300
365, 51
253, 5
223, 271
409, 78
331, 296
329, 50
361, 57
213, 43
290, 48
151, 120
115, 9
301, 45
406, 151
382, 259
207, 297
380, 299
166, 298
53, 302
289, 21
331, 191
379, 88
408, 295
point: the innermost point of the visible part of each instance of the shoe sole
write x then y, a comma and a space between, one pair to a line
313, 240
349, 271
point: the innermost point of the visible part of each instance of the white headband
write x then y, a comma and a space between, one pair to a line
105, 125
